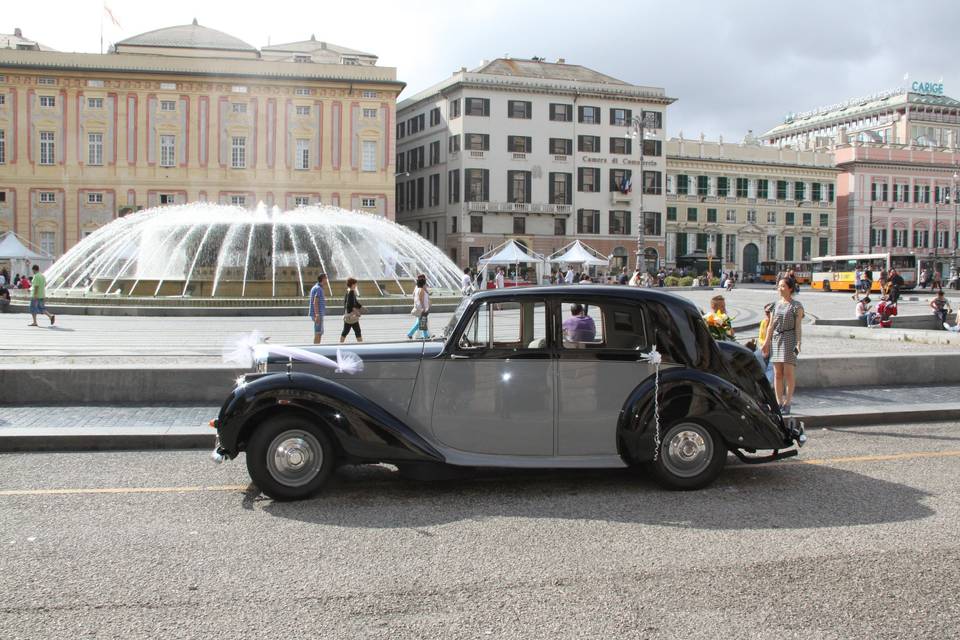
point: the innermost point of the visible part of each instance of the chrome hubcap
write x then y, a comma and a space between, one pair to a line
688, 451
294, 458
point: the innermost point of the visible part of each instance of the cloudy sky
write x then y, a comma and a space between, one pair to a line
733, 65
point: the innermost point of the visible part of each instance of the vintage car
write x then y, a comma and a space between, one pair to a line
533, 377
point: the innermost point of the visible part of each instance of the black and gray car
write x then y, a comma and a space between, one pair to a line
538, 377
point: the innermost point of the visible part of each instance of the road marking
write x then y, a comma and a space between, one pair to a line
243, 487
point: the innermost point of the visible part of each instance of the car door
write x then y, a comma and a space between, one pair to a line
497, 389
596, 374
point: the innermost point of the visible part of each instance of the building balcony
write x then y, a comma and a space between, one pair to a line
519, 156
561, 158
616, 197
517, 207
477, 155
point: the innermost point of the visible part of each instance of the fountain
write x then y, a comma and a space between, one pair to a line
209, 251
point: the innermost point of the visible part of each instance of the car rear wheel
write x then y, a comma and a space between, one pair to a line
691, 456
289, 458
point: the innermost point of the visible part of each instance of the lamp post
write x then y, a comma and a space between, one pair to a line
637, 128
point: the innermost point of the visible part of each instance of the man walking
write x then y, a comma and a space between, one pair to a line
38, 292
318, 306
498, 279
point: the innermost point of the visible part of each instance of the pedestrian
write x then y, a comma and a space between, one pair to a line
38, 292
466, 282
318, 307
421, 308
15, 283
883, 280
757, 346
783, 344
623, 278
498, 279
924, 278
568, 278
23, 283
636, 279
3, 278
896, 283
857, 283
936, 281
863, 312
352, 310
940, 306
481, 274
867, 280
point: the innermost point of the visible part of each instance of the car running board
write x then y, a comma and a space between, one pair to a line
776, 455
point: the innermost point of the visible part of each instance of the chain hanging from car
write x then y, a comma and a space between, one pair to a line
654, 358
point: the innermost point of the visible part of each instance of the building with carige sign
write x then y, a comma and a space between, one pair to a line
897, 153
183, 114
737, 205
536, 151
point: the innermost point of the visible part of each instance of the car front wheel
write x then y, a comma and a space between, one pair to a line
289, 458
691, 456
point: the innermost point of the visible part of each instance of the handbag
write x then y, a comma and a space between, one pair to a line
352, 318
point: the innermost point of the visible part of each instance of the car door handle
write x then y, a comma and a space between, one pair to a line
458, 356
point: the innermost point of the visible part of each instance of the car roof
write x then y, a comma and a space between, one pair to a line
617, 291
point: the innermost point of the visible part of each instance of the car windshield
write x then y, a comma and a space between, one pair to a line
455, 318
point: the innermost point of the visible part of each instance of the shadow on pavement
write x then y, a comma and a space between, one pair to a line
784, 496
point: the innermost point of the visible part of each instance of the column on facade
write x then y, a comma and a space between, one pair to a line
712, 186
751, 187
671, 238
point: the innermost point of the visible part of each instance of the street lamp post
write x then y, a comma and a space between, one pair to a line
638, 126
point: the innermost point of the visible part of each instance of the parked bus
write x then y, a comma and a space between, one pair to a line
837, 273
768, 270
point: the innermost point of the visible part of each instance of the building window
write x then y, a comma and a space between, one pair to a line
477, 183
453, 186
94, 197
434, 196
620, 145
651, 223
3, 147
588, 144
168, 198
805, 243
588, 221
168, 152
518, 109
771, 217
691, 214
807, 219
921, 238
731, 215
476, 224
303, 109
476, 141
652, 148
48, 242
703, 185
561, 146
788, 218
620, 117
476, 106
370, 114
48, 151
799, 191
47, 81
743, 187
588, 179
48, 101
830, 192
723, 186
771, 247
589, 115
48, 197
368, 93
817, 192
652, 183
518, 186
434, 116
560, 188
453, 109
415, 124
561, 112
301, 201
434, 152
824, 248
303, 91
763, 189
712, 215
303, 154
3, 97
671, 214
235, 107
559, 226
453, 224
781, 189
401, 130
453, 143
368, 203
619, 223
519, 225
168, 105
238, 152
788, 248
415, 159
620, 181
239, 201
519, 144
683, 184
369, 156
752, 216
95, 148
899, 237
94, 103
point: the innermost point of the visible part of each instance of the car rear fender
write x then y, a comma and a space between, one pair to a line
705, 398
362, 430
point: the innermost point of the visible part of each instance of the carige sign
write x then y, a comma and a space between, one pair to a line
930, 88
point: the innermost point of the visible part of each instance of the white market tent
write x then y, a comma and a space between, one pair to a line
578, 253
512, 252
20, 256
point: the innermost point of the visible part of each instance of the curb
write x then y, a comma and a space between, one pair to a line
881, 417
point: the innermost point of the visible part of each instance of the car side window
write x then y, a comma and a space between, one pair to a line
506, 325
581, 325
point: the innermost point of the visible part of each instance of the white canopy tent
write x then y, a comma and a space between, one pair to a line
578, 253
512, 252
21, 256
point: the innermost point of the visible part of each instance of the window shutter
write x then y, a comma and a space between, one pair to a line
486, 185
580, 114
510, 194
529, 144
580, 171
486, 106
568, 183
526, 186
612, 116
628, 115
486, 141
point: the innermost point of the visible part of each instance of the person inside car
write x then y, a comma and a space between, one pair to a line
579, 327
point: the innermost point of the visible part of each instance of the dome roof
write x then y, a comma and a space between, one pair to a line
188, 36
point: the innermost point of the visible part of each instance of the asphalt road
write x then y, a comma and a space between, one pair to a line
860, 538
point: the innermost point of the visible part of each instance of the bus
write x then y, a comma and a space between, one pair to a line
837, 273
769, 270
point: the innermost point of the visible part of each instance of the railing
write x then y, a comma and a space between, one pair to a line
517, 207
477, 154
519, 156
560, 158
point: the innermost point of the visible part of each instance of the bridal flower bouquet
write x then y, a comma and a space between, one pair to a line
720, 325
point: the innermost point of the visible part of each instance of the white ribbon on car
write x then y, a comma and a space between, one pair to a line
654, 358
246, 348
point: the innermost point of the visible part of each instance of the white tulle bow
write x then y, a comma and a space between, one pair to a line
246, 349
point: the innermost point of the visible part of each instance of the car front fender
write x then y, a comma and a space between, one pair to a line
363, 430
741, 421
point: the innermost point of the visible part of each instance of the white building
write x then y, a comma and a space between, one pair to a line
535, 151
